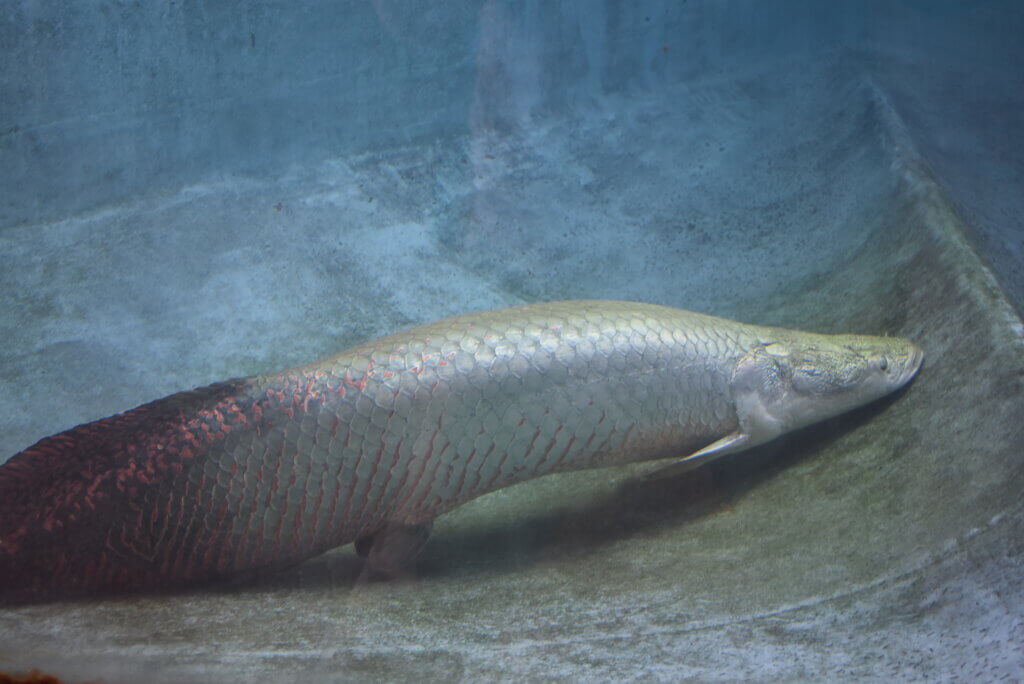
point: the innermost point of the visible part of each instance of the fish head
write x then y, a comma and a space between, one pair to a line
797, 379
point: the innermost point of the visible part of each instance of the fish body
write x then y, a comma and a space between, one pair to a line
372, 444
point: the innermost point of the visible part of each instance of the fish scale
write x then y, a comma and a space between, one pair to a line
273, 469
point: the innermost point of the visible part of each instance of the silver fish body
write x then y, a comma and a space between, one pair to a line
373, 443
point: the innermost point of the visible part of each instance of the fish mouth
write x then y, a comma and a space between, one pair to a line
913, 364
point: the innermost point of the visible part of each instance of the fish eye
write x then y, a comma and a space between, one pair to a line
883, 363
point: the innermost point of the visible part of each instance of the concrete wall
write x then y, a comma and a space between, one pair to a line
106, 101
955, 72
103, 102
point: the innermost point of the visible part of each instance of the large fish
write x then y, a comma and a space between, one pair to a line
372, 444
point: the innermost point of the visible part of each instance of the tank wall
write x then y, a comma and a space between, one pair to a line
104, 102
108, 100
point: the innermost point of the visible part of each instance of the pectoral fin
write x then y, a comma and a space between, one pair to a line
735, 441
731, 442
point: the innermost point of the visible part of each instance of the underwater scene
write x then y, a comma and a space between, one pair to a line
511, 340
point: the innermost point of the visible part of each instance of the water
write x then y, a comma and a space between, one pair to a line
198, 192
